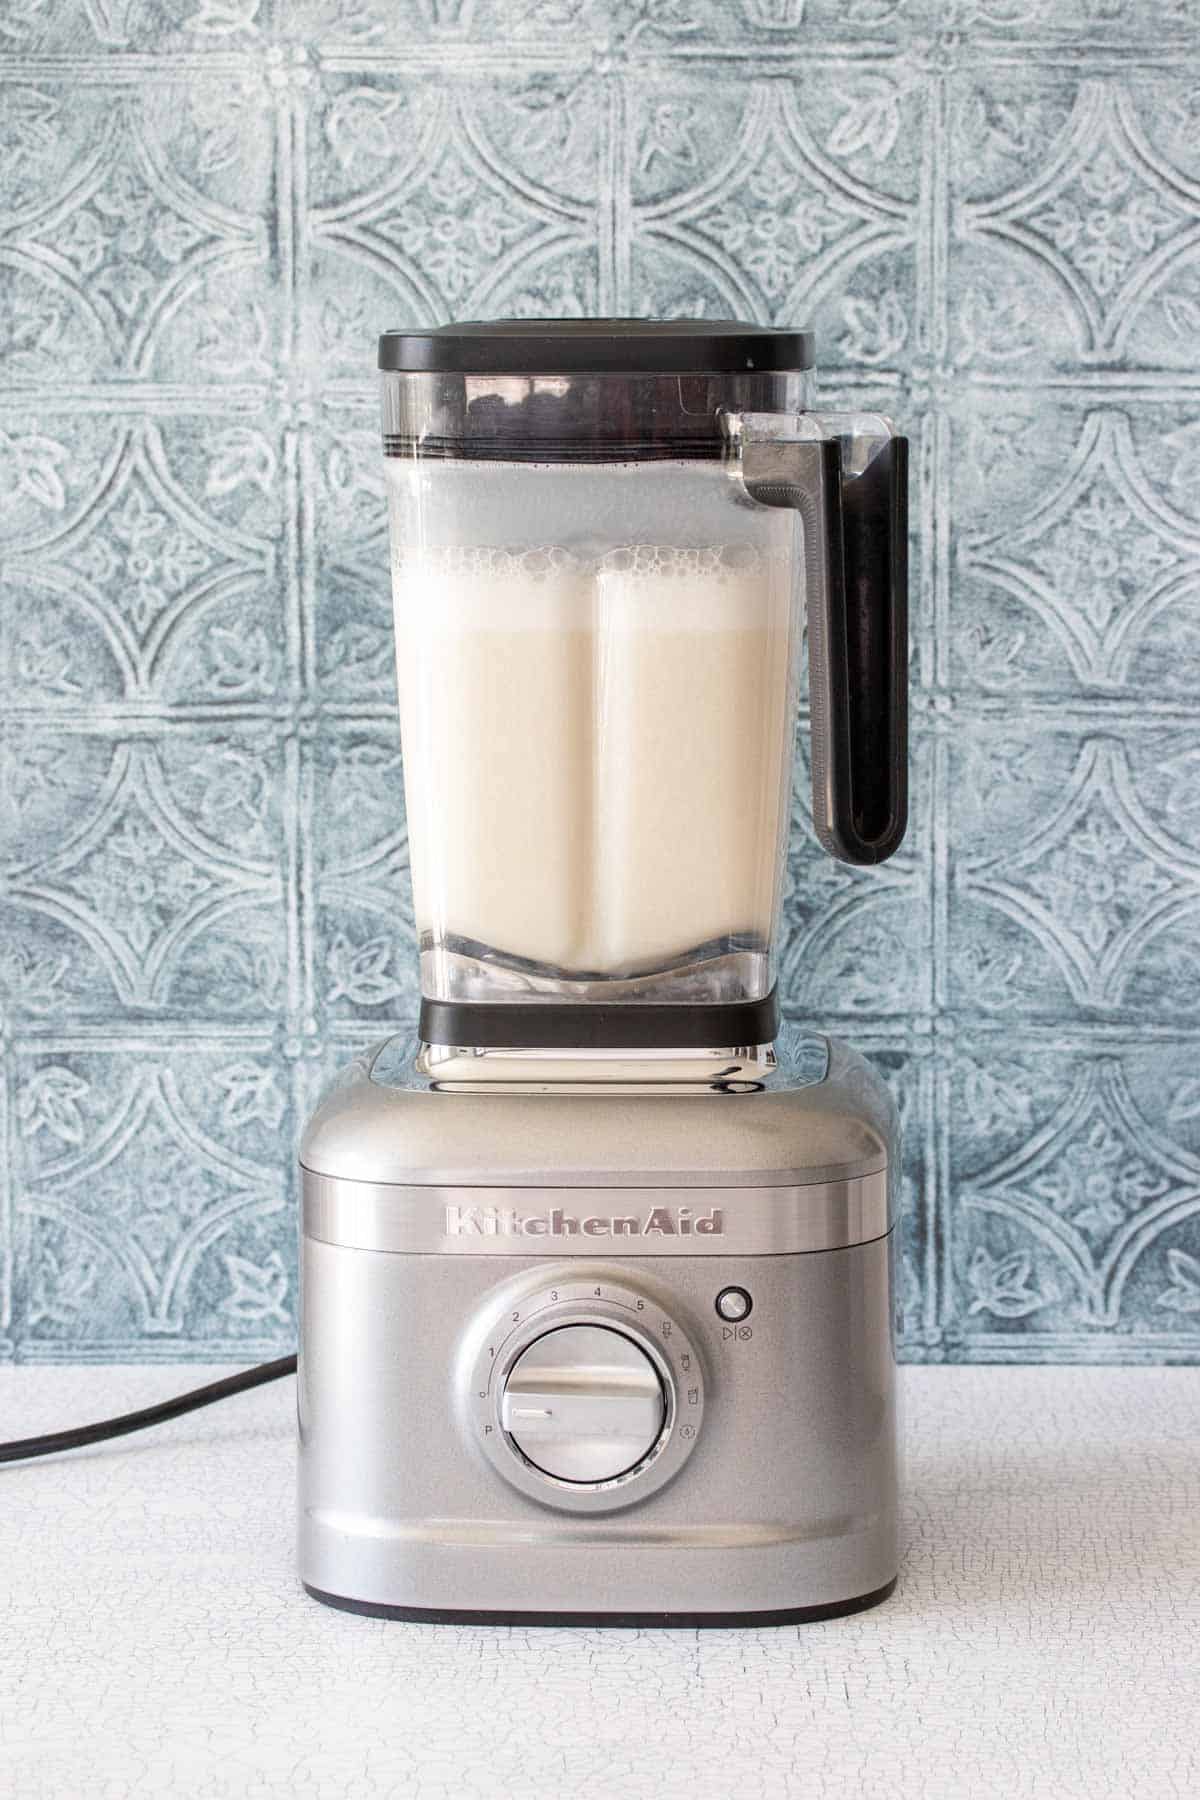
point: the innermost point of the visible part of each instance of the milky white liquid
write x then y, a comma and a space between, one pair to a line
690, 653
494, 667
596, 772
594, 756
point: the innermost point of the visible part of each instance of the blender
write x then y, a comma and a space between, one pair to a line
596, 1265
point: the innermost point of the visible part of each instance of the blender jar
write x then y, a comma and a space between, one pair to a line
605, 537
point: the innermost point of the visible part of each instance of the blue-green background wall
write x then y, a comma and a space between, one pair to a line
208, 208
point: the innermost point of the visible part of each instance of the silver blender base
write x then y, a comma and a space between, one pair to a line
766, 1491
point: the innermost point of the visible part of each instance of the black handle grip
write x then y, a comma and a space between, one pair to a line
858, 663
856, 596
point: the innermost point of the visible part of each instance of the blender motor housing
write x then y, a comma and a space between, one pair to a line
732, 1241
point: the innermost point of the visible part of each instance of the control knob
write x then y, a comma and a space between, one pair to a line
583, 1403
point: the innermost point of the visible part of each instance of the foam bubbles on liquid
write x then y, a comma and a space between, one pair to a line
542, 563
671, 562
490, 562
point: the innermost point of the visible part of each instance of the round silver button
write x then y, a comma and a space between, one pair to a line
583, 1403
734, 1303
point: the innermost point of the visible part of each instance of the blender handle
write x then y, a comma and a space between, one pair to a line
863, 665
856, 568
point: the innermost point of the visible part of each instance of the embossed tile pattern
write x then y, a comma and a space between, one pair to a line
991, 214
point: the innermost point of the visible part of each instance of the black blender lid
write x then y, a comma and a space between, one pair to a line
595, 347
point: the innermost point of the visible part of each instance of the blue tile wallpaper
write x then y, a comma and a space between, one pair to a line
990, 211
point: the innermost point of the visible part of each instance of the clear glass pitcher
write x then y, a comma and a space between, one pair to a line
607, 537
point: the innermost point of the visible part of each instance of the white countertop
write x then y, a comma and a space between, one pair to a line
1044, 1640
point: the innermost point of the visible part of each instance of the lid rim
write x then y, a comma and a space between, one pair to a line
620, 347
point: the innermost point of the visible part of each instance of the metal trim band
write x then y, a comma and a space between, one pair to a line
489, 1221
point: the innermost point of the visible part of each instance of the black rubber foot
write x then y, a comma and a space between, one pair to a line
679, 1621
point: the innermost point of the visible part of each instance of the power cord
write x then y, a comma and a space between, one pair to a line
24, 1448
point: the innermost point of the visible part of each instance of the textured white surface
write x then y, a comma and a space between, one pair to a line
1044, 1640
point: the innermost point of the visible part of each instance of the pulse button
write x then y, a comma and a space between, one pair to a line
734, 1304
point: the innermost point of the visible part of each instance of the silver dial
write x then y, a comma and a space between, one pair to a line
583, 1403
582, 1390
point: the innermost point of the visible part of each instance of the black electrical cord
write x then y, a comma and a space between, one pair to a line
24, 1448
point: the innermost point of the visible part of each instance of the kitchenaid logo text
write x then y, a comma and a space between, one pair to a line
505, 1221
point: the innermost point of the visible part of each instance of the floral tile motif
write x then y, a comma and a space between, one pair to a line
989, 211
1096, 911
1037, 22
775, 214
151, 551
353, 650
119, 247
148, 1187
534, 133
463, 206
158, 891
620, 29
108, 26
1079, 549
365, 957
847, 133
1099, 244
617, 28
1079, 1201
855, 942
